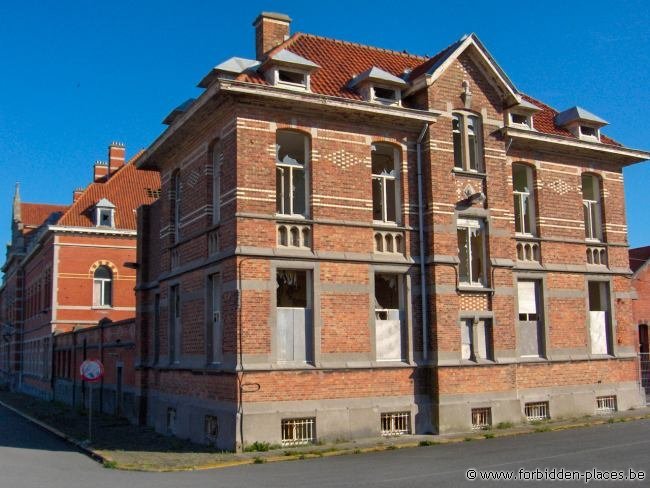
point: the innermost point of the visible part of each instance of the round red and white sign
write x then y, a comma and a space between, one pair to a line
91, 370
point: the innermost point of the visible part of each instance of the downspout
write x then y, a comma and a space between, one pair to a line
423, 289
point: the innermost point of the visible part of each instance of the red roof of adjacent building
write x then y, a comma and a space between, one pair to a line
340, 61
127, 189
34, 214
638, 257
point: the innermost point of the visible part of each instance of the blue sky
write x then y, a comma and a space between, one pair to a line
75, 76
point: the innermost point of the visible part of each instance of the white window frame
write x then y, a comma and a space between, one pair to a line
525, 125
275, 76
310, 329
397, 100
98, 216
383, 178
589, 137
527, 197
99, 295
524, 309
283, 166
217, 157
593, 228
464, 131
473, 223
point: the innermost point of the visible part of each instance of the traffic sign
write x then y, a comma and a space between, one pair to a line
92, 370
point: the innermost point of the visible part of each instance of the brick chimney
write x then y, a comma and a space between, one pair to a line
271, 29
77, 192
116, 160
100, 171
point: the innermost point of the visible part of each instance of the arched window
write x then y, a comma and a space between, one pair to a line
176, 204
467, 135
292, 157
592, 207
103, 287
385, 188
524, 199
217, 157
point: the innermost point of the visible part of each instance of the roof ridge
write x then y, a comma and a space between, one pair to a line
358, 44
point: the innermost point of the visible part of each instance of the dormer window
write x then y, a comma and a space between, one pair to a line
521, 121
581, 123
292, 77
104, 214
288, 70
377, 85
386, 95
589, 132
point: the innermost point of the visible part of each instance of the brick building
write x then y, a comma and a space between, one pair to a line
353, 241
67, 269
640, 265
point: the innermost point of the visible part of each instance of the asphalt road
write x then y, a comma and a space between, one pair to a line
30, 457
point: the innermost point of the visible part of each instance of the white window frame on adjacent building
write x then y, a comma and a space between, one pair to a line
286, 171
524, 201
592, 207
472, 227
103, 287
382, 182
520, 120
467, 130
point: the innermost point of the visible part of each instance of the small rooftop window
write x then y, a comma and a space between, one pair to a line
104, 214
385, 94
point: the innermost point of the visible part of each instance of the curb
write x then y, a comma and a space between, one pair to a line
274, 458
94, 455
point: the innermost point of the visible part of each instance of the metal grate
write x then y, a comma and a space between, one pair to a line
297, 432
481, 418
606, 404
536, 411
395, 423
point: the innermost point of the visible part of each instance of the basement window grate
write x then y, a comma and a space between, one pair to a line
481, 418
536, 411
395, 423
298, 432
606, 404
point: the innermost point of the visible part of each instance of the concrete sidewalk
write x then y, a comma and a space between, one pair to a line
118, 444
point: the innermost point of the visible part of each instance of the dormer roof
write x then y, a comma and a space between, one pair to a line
104, 203
378, 75
578, 114
233, 66
285, 57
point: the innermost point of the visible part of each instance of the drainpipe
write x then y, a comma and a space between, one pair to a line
423, 289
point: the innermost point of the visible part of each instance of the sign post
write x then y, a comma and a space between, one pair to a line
92, 371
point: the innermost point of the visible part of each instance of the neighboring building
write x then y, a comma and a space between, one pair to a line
67, 268
280, 294
640, 265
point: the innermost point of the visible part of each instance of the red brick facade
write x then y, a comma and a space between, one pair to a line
233, 365
51, 281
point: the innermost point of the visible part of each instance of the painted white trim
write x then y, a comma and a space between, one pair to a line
635, 154
92, 230
104, 246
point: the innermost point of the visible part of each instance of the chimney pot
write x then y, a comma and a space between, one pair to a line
271, 29
116, 159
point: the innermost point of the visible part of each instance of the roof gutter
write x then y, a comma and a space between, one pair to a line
634, 155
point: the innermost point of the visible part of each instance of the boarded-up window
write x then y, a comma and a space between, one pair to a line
389, 317
531, 337
294, 316
476, 339
599, 318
